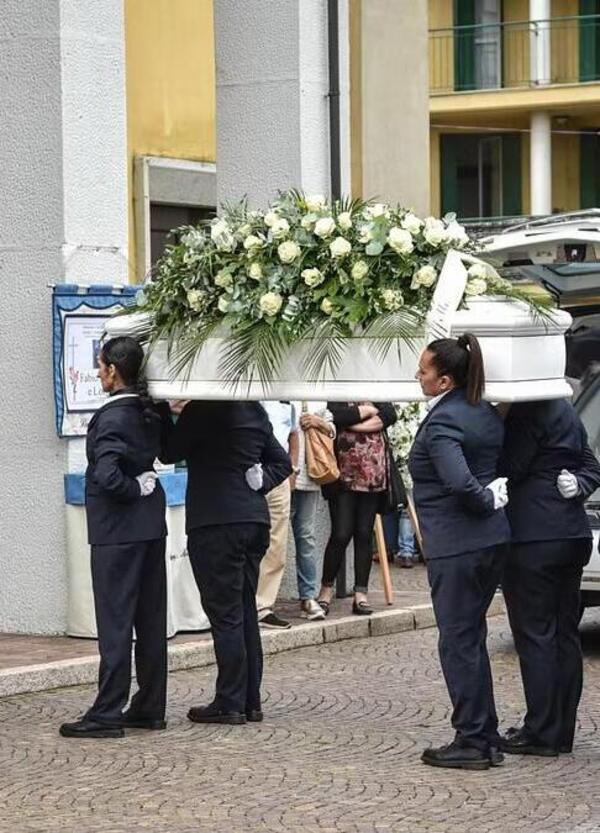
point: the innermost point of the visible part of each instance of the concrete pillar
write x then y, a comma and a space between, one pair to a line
272, 104
393, 101
541, 163
540, 45
63, 172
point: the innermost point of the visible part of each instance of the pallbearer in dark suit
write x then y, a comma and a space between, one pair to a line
459, 503
125, 507
233, 460
551, 471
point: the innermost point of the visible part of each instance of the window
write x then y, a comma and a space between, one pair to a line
589, 162
165, 218
589, 40
481, 175
477, 44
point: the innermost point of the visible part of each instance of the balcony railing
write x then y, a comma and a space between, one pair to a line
564, 50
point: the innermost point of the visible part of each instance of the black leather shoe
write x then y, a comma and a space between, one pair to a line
85, 728
254, 715
132, 721
212, 714
520, 742
496, 757
454, 756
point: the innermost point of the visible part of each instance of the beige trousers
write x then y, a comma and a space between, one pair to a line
273, 562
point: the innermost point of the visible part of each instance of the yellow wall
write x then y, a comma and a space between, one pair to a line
170, 66
565, 173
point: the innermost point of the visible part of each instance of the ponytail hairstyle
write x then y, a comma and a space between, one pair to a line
461, 359
126, 354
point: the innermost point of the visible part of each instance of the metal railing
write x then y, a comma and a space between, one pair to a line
563, 50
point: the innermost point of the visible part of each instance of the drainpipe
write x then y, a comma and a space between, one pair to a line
333, 46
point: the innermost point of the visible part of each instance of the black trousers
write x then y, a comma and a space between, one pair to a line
352, 519
541, 587
462, 588
130, 590
225, 559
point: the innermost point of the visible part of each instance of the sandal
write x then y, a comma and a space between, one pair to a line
324, 606
361, 609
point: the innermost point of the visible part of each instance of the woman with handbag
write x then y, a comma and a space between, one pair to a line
367, 485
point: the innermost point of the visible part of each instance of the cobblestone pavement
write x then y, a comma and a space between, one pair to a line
338, 752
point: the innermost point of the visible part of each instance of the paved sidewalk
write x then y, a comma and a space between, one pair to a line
338, 753
30, 663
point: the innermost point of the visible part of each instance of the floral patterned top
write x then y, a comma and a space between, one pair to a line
362, 461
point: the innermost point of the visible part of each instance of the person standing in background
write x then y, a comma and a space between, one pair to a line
551, 470
305, 500
283, 417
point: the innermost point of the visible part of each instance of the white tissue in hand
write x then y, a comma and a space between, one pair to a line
254, 477
147, 482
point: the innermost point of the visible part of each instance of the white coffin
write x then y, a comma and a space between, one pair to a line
524, 356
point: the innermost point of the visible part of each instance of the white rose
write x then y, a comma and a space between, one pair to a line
288, 251
378, 209
307, 221
252, 242
280, 227
270, 303
255, 271
324, 227
392, 299
244, 230
360, 270
271, 218
326, 306
222, 237
400, 240
193, 238
476, 287
412, 223
365, 234
457, 233
194, 299
425, 276
345, 220
340, 247
434, 232
312, 277
223, 303
477, 270
315, 202
223, 279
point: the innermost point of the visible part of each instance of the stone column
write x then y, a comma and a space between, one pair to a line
540, 45
63, 173
272, 104
541, 163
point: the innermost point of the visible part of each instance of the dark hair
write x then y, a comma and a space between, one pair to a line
461, 359
127, 355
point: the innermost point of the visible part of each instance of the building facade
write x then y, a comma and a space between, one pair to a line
514, 106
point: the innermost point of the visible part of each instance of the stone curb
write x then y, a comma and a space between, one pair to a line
84, 670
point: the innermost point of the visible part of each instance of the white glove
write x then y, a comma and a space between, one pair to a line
254, 477
147, 481
498, 488
567, 484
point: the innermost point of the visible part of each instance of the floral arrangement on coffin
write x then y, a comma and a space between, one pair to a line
304, 270
402, 434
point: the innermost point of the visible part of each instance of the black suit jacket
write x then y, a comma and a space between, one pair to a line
454, 457
541, 438
220, 441
120, 445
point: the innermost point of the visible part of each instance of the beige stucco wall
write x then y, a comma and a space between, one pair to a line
394, 102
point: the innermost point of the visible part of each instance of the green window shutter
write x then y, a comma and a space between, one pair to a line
511, 175
589, 41
464, 45
589, 162
449, 150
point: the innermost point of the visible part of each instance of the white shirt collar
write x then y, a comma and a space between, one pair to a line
431, 403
